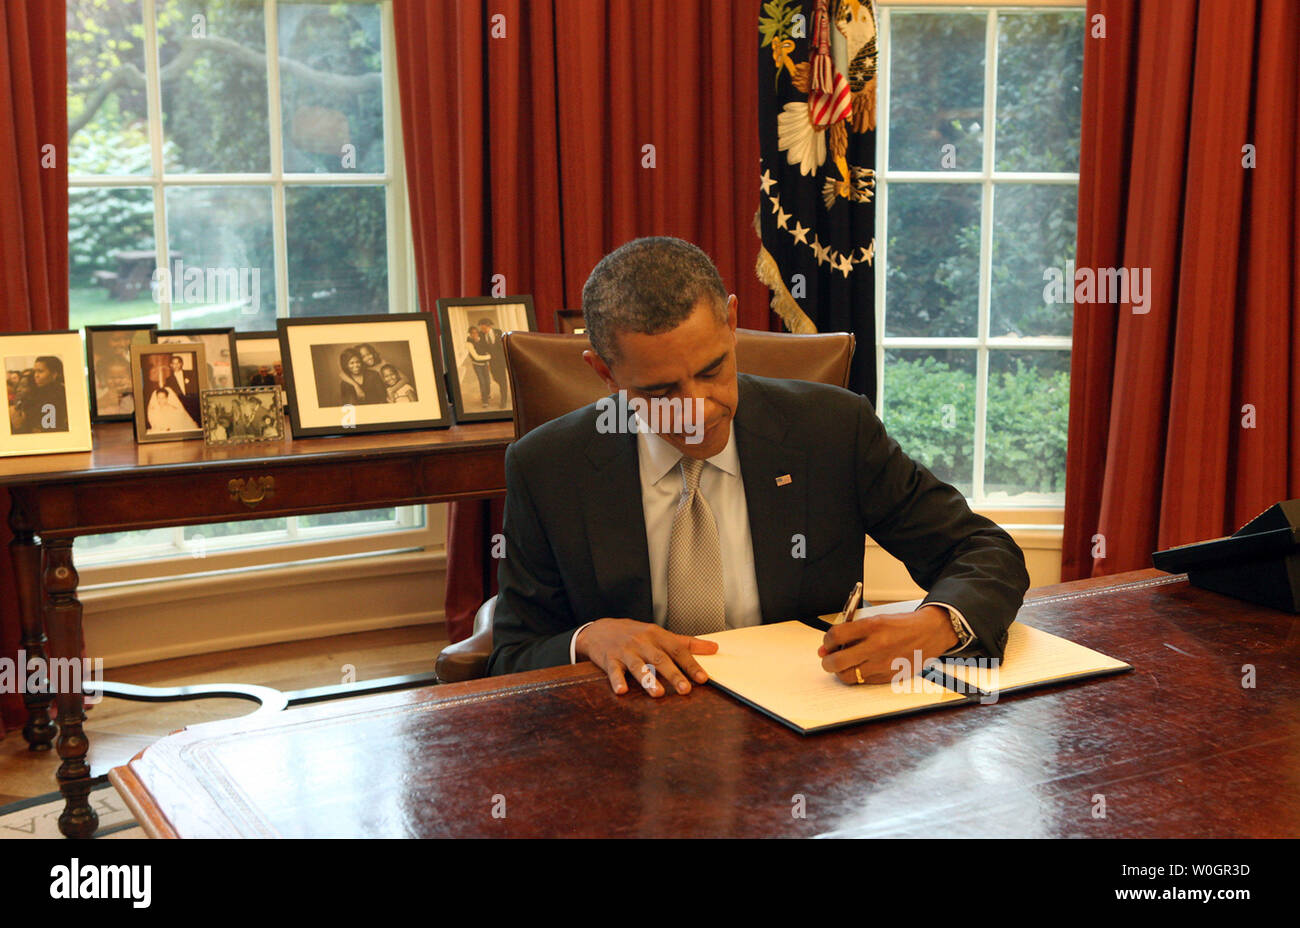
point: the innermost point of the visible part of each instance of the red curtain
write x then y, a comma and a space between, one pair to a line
34, 219
1185, 420
541, 135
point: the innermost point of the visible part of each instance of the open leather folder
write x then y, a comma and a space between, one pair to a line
775, 669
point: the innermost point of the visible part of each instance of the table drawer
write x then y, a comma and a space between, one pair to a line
262, 490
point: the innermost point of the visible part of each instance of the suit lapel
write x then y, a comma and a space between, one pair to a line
615, 523
777, 506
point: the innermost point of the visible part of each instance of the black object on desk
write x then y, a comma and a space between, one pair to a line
1259, 563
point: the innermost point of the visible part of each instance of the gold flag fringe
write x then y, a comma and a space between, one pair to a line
783, 304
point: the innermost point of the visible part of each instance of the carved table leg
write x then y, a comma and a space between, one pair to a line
78, 820
39, 730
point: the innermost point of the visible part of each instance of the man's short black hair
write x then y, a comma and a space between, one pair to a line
648, 286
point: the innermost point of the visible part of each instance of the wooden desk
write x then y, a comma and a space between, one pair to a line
1176, 748
122, 486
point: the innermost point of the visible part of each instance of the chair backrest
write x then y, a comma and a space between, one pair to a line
548, 377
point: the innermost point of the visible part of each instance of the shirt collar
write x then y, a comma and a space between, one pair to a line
657, 457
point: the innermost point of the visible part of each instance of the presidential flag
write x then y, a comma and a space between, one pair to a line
817, 126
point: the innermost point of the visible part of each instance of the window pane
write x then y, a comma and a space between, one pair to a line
929, 406
365, 517
124, 546
1028, 411
111, 257
932, 276
214, 97
936, 95
222, 257
338, 251
1033, 230
108, 115
229, 534
1040, 73
331, 87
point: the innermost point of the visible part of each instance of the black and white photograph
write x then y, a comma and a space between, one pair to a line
108, 357
168, 380
46, 394
363, 373
242, 415
474, 353
218, 347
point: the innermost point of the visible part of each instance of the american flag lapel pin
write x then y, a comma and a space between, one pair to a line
783, 480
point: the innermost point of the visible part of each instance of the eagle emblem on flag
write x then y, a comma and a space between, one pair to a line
817, 121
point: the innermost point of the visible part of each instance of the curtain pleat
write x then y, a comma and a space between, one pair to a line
526, 126
33, 225
1184, 418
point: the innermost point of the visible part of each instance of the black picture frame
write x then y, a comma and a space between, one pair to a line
92, 374
314, 350
455, 317
253, 345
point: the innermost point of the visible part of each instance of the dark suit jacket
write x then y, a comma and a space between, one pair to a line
575, 531
190, 398
496, 352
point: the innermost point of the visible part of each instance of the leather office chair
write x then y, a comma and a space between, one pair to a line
548, 378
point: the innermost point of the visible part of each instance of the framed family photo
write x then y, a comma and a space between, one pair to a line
347, 374
168, 380
108, 360
241, 415
48, 398
475, 357
218, 347
259, 361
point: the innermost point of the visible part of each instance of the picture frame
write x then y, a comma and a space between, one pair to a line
167, 394
330, 394
242, 414
219, 346
47, 409
108, 367
480, 389
259, 361
570, 322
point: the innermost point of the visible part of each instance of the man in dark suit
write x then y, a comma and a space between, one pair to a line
772, 523
496, 357
185, 385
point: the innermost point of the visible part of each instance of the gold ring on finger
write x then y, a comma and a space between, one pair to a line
857, 672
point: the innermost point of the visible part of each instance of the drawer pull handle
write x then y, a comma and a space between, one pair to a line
253, 491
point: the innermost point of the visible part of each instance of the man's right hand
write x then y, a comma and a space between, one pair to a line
643, 649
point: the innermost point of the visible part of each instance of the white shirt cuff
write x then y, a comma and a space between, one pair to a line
954, 611
573, 644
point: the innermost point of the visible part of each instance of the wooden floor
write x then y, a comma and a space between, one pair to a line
119, 729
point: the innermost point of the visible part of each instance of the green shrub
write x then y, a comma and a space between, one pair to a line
1025, 438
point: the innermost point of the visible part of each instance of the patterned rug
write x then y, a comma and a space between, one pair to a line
39, 817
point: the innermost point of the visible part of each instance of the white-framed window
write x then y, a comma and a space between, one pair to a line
977, 175
259, 137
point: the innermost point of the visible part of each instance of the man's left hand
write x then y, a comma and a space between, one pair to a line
871, 645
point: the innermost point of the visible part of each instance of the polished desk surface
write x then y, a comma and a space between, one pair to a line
1176, 748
